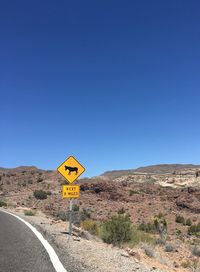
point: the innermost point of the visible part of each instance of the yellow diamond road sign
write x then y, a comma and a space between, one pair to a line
71, 169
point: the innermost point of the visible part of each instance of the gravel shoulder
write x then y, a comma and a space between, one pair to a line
91, 255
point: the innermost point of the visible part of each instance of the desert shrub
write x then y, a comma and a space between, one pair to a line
3, 203
147, 227
192, 265
194, 230
161, 226
49, 193
149, 251
62, 215
117, 230
39, 180
159, 241
186, 264
188, 222
132, 192
177, 232
39, 194
75, 208
138, 236
91, 226
121, 211
169, 248
180, 219
85, 214
29, 213
196, 251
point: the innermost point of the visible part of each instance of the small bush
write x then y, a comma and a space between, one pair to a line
138, 236
149, 227
39, 180
49, 193
159, 241
132, 192
85, 214
194, 230
188, 222
117, 230
91, 226
149, 251
75, 208
186, 264
177, 232
121, 211
39, 194
3, 203
180, 219
169, 248
29, 213
62, 215
161, 226
196, 251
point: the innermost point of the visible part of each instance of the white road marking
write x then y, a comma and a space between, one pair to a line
51, 252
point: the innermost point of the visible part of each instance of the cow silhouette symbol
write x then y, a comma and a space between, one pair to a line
71, 169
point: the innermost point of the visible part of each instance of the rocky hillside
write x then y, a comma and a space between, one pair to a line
141, 195
153, 169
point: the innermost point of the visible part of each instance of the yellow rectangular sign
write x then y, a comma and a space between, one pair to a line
71, 191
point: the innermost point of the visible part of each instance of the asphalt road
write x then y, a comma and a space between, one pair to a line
20, 249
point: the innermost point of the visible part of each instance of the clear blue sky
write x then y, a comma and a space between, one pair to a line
114, 83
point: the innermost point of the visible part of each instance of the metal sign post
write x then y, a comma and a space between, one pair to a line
70, 217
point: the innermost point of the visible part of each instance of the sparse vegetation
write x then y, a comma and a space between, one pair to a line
39, 180
132, 192
62, 215
158, 225
194, 230
188, 222
121, 211
29, 213
3, 203
91, 226
177, 232
180, 219
40, 194
161, 226
149, 251
147, 227
196, 251
49, 193
75, 208
117, 230
138, 236
85, 214
169, 248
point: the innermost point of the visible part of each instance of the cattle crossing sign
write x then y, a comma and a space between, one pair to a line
71, 169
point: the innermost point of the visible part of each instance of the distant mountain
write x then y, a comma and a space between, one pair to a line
153, 169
